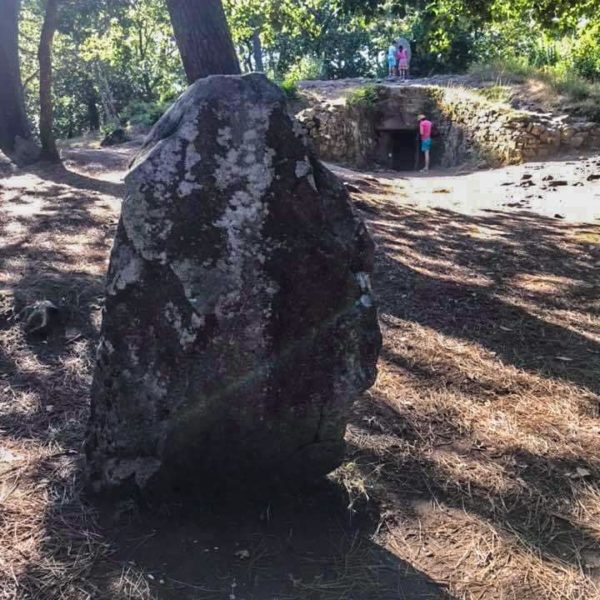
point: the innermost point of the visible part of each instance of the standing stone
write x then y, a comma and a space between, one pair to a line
239, 324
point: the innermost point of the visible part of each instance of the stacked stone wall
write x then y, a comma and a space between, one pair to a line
470, 127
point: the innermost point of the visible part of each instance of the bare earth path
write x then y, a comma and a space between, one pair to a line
473, 466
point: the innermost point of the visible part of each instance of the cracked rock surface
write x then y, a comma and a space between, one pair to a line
239, 323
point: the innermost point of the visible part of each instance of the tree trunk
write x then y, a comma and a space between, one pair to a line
92, 112
13, 119
49, 150
203, 38
111, 115
258, 52
247, 57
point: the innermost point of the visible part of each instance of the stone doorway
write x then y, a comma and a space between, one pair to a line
398, 148
404, 150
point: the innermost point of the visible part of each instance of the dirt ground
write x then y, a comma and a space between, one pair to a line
473, 466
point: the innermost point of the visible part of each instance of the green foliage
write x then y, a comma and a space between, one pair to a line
289, 88
561, 81
144, 114
443, 35
107, 55
308, 67
586, 52
495, 93
364, 97
116, 61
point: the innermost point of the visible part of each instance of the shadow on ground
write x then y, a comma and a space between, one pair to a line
481, 432
477, 448
307, 546
518, 284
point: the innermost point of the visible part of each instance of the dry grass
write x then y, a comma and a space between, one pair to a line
480, 437
479, 446
54, 238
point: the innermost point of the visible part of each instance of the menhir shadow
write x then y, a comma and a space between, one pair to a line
302, 546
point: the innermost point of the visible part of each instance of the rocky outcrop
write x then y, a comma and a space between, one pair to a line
114, 138
239, 322
7, 167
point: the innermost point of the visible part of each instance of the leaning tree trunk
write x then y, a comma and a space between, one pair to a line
49, 150
13, 118
257, 51
203, 38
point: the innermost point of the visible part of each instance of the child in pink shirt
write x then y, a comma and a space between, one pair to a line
402, 57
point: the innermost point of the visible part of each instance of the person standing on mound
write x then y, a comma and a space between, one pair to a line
402, 58
425, 127
392, 51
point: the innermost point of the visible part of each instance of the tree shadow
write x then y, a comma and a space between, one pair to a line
61, 175
516, 284
486, 317
538, 494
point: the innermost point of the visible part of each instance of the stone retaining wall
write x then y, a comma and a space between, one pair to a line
505, 136
470, 127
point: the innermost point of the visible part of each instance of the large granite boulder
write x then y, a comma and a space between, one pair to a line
239, 323
7, 167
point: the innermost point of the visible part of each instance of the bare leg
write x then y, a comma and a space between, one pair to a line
427, 160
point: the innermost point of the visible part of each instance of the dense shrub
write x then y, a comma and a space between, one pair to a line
145, 114
586, 53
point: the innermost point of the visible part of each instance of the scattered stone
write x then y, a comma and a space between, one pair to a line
558, 216
118, 136
40, 318
239, 322
593, 177
352, 188
547, 178
558, 183
526, 176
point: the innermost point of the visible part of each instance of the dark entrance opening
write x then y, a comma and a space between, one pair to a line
404, 149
